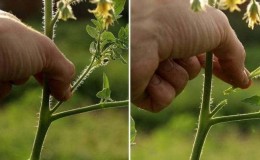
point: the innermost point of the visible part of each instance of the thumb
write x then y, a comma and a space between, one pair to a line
59, 72
231, 57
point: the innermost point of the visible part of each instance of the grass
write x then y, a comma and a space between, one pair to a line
96, 135
176, 144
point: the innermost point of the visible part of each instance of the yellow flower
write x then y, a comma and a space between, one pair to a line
232, 5
65, 10
104, 10
252, 14
103, 7
108, 21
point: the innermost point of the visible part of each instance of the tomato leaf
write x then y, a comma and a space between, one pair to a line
105, 93
119, 6
254, 100
92, 31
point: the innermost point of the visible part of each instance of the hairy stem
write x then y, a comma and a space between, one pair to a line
233, 118
43, 124
44, 121
204, 117
48, 27
94, 107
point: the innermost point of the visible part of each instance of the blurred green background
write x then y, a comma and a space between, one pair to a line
170, 133
100, 135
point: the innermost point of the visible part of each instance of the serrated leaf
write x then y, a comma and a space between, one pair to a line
97, 23
119, 6
133, 131
254, 100
109, 36
92, 48
103, 44
92, 31
123, 37
121, 33
105, 93
105, 81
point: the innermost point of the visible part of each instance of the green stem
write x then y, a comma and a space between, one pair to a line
84, 74
232, 118
199, 142
44, 121
54, 20
48, 26
94, 107
204, 117
43, 124
218, 108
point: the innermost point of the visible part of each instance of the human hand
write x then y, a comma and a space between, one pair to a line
25, 52
166, 45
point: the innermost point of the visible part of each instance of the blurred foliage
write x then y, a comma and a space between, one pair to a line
175, 139
97, 135
34, 9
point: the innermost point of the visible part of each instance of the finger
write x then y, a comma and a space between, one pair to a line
159, 94
231, 58
207, 31
5, 89
191, 65
60, 76
218, 71
173, 74
59, 71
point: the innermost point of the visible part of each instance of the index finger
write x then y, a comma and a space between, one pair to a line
231, 57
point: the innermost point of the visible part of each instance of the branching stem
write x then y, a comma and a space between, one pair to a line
43, 124
204, 117
44, 121
94, 107
233, 118
207, 119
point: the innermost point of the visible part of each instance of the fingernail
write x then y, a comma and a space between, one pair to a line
246, 80
167, 66
155, 80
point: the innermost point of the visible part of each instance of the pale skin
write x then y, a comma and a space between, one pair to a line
168, 40
25, 52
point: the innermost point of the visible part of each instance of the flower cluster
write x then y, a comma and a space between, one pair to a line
252, 15
64, 10
232, 5
105, 11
